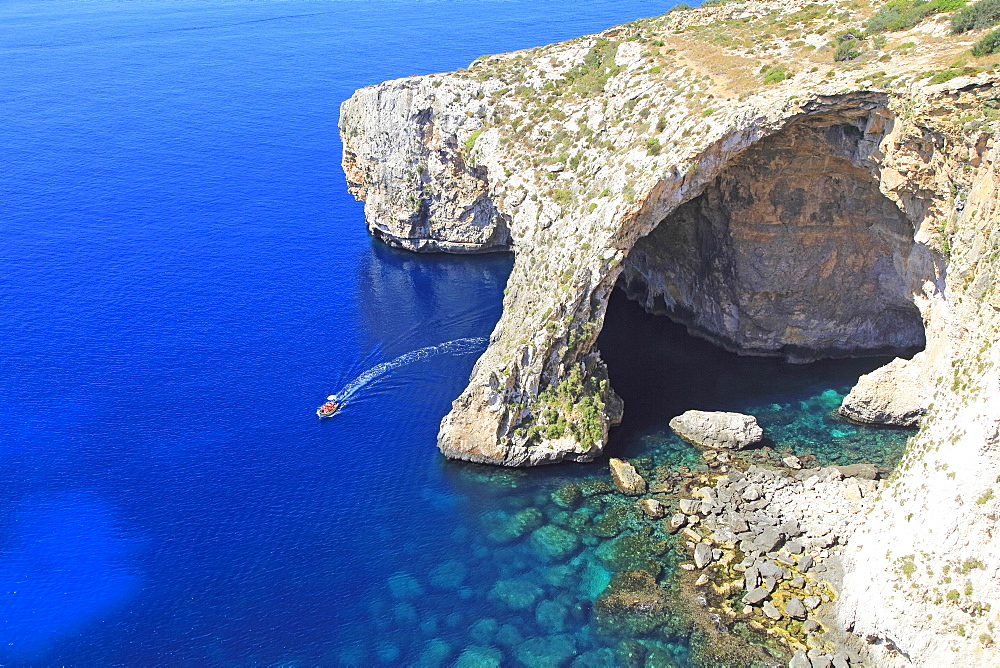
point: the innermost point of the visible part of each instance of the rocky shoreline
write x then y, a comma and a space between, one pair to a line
790, 204
772, 534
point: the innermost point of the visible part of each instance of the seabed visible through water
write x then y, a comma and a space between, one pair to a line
524, 577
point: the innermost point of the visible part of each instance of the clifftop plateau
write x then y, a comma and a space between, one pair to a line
780, 181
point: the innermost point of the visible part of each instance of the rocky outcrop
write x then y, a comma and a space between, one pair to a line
794, 220
718, 429
780, 204
893, 395
626, 479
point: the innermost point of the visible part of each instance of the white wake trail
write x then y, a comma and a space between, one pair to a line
456, 347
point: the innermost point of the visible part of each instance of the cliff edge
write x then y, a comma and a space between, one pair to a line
781, 182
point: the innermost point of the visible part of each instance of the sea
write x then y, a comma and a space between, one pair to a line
184, 279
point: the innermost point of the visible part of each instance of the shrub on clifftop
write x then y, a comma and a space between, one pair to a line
987, 45
905, 14
983, 14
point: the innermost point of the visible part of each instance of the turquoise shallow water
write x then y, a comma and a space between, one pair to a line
186, 279
536, 549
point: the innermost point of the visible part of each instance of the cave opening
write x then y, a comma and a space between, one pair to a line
791, 254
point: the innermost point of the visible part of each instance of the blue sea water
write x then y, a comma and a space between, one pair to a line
184, 279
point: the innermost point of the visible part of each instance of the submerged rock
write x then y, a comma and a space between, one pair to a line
404, 586
517, 594
478, 656
615, 520
566, 496
484, 630
631, 552
551, 616
652, 508
435, 654
596, 658
553, 543
590, 488
449, 575
632, 603
627, 480
504, 527
717, 429
547, 651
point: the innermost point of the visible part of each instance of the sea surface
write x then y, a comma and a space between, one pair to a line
184, 278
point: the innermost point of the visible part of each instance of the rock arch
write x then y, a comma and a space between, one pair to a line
791, 250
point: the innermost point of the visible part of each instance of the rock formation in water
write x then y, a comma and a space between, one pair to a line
726, 171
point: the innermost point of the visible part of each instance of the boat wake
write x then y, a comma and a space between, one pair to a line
456, 347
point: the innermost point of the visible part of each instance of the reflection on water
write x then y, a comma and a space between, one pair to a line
437, 297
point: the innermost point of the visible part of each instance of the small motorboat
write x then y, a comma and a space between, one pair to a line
329, 408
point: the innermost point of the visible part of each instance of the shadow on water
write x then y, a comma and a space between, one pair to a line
660, 371
407, 300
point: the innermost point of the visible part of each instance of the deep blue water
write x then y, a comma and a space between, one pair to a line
184, 278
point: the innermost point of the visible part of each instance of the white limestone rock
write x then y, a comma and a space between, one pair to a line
718, 429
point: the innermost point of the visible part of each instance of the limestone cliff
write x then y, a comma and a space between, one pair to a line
722, 168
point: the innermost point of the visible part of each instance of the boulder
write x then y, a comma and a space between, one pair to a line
864, 470
690, 506
795, 609
792, 462
677, 520
800, 660
768, 540
852, 490
627, 480
771, 611
478, 656
769, 569
892, 395
553, 543
738, 523
652, 508
718, 429
702, 555
547, 651
841, 660
755, 596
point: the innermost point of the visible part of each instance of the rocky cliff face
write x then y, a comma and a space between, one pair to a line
780, 204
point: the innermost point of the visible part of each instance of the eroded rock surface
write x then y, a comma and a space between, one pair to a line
894, 395
846, 209
626, 478
718, 429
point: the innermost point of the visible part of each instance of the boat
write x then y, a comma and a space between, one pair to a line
329, 408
